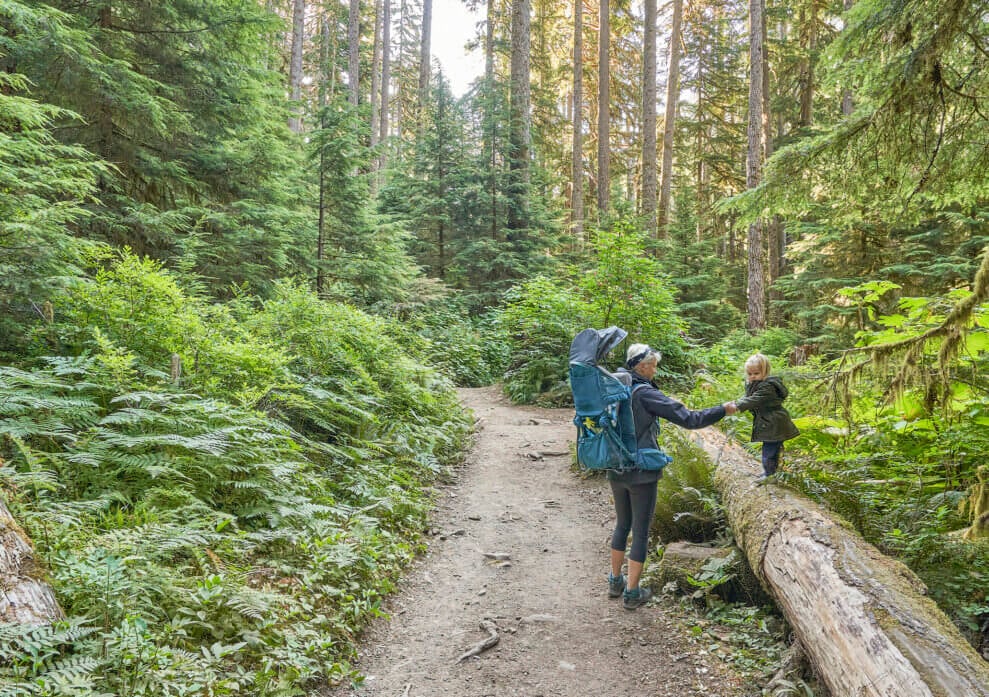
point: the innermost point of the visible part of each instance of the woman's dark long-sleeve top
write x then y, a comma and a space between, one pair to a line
649, 404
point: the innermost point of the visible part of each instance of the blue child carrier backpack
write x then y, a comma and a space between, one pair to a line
603, 405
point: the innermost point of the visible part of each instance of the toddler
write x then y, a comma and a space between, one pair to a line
771, 422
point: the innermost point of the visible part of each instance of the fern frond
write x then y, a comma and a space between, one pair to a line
77, 671
253, 603
155, 540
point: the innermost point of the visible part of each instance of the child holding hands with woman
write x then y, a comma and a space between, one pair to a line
771, 422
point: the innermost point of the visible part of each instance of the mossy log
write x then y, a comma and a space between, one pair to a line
863, 619
25, 598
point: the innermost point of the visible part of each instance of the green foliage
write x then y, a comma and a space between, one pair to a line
687, 507
475, 226
176, 96
44, 188
193, 541
135, 303
627, 288
471, 350
624, 287
541, 319
364, 260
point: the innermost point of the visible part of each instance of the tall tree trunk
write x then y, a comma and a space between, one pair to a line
756, 269
105, 118
376, 78
809, 30
700, 148
672, 97
398, 125
865, 621
774, 226
519, 124
295, 66
354, 46
375, 180
326, 84
331, 28
441, 172
604, 107
491, 130
385, 82
847, 105
577, 202
649, 117
424, 64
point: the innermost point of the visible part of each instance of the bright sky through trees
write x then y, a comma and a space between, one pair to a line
453, 26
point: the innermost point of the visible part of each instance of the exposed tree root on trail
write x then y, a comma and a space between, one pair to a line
492, 639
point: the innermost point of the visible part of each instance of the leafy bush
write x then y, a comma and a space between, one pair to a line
542, 319
471, 351
134, 303
625, 288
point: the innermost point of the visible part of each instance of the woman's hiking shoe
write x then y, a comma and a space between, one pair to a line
616, 586
636, 597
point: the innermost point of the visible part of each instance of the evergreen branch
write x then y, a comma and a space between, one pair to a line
206, 28
950, 330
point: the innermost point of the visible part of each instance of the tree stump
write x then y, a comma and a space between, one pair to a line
25, 598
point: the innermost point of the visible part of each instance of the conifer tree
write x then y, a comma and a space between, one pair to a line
577, 171
44, 186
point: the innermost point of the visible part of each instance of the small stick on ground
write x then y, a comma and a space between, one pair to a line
493, 637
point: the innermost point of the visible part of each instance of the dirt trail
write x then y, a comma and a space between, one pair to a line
521, 541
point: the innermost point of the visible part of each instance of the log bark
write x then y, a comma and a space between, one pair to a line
864, 619
25, 598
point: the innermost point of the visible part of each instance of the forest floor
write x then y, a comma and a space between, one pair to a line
518, 549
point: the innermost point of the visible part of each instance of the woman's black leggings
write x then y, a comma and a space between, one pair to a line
634, 507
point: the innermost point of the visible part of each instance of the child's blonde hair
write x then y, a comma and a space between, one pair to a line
760, 361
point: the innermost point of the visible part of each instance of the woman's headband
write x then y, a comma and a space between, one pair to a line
635, 360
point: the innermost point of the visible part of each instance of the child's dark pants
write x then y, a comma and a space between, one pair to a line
771, 450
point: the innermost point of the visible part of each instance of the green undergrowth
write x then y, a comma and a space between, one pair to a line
901, 468
624, 287
229, 530
737, 630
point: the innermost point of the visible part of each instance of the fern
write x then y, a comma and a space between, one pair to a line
180, 524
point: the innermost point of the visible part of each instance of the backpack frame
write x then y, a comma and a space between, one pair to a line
603, 405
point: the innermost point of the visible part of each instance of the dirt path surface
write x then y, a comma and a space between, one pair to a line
520, 546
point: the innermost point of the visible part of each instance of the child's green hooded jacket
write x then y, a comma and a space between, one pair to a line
770, 420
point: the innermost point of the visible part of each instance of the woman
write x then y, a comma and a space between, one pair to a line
634, 491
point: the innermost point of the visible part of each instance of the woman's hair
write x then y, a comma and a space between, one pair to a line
761, 361
639, 354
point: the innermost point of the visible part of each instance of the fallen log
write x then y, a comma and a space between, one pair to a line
864, 620
25, 598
